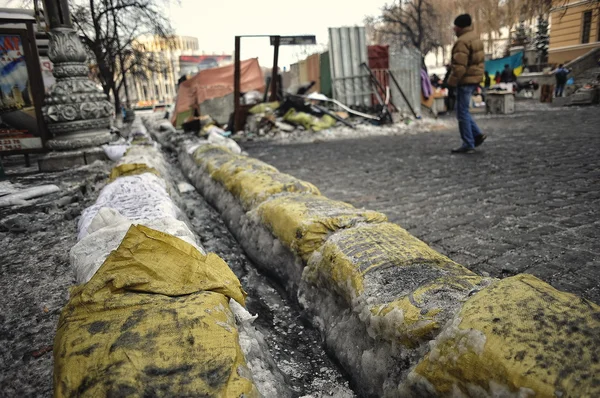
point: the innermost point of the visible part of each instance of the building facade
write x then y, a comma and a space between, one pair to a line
161, 87
574, 29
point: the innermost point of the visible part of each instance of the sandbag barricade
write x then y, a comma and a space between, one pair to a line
393, 311
154, 314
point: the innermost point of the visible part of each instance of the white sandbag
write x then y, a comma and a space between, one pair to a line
148, 155
115, 152
184, 187
138, 197
105, 217
218, 139
166, 126
19, 197
90, 252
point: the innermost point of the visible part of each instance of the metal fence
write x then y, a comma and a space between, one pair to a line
405, 64
347, 50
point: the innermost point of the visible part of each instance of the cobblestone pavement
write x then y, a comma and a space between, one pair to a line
527, 201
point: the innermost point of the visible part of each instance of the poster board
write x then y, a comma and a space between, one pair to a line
22, 129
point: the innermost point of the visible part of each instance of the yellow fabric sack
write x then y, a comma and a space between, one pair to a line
309, 121
304, 221
517, 337
264, 107
253, 187
409, 289
225, 171
350, 257
154, 320
212, 157
130, 169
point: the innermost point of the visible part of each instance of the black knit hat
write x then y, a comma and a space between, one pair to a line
462, 21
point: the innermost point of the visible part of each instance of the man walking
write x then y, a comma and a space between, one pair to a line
467, 74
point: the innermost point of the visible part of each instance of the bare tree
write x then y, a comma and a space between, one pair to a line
414, 23
110, 29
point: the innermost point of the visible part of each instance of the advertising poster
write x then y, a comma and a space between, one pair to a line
191, 64
18, 122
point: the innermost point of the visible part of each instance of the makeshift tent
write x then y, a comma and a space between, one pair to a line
215, 83
497, 65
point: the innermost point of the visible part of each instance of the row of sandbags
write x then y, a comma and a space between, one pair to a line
402, 319
153, 314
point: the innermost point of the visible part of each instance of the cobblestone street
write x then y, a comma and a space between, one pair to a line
527, 202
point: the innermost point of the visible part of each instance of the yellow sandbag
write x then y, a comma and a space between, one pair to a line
348, 258
409, 289
324, 123
253, 187
264, 107
130, 169
154, 320
225, 171
212, 157
518, 337
309, 121
304, 221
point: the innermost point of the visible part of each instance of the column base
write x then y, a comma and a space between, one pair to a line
57, 161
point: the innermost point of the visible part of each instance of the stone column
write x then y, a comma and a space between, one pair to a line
77, 113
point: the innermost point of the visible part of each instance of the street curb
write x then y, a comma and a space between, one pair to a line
388, 336
207, 314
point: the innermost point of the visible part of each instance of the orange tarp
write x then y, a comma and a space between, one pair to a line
215, 83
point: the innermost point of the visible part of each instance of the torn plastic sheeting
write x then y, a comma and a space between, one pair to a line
179, 340
89, 254
518, 337
303, 221
22, 195
137, 197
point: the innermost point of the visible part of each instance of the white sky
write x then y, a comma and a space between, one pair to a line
215, 23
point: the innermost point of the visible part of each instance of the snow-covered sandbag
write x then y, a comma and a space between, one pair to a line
218, 139
115, 152
22, 195
138, 197
90, 252
166, 127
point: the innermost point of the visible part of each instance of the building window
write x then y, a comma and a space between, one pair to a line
587, 27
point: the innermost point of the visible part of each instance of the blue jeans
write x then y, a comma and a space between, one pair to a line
466, 125
560, 87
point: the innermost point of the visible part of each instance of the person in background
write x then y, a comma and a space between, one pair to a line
498, 77
561, 74
435, 81
467, 74
508, 75
487, 81
451, 98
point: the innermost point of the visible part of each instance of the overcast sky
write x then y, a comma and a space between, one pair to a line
215, 23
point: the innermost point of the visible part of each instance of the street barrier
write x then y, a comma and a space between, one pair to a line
154, 314
402, 319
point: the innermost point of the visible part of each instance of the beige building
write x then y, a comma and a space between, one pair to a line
161, 87
574, 29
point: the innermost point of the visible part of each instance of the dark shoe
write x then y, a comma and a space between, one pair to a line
463, 149
479, 139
